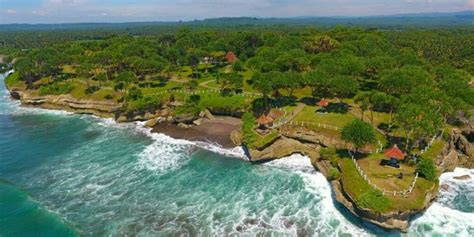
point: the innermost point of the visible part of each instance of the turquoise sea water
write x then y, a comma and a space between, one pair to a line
76, 175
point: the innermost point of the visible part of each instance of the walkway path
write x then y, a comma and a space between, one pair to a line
288, 117
205, 84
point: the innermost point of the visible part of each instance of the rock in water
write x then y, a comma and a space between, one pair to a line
463, 177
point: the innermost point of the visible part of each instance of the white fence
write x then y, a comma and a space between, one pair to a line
307, 123
209, 91
393, 193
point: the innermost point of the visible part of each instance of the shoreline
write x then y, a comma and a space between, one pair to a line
216, 133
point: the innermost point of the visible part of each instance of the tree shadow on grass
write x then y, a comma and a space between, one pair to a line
311, 101
344, 153
340, 108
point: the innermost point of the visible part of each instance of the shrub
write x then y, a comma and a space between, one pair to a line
91, 89
13, 80
334, 174
194, 99
134, 93
248, 122
327, 153
146, 104
374, 200
358, 133
56, 89
427, 169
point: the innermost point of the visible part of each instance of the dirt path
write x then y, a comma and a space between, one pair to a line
292, 115
204, 84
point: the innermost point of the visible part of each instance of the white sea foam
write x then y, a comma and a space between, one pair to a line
316, 184
444, 217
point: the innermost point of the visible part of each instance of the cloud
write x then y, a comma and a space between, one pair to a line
39, 13
57, 11
11, 11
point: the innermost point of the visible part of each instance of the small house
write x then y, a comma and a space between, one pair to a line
395, 154
264, 122
230, 57
323, 103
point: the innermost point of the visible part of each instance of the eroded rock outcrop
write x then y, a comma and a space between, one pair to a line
283, 147
392, 220
458, 153
107, 109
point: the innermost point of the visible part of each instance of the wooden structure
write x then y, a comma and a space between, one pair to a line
230, 57
323, 103
264, 121
395, 155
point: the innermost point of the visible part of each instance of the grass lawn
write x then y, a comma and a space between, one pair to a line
298, 93
13, 80
434, 150
79, 90
308, 114
358, 188
68, 69
264, 140
386, 177
102, 93
377, 116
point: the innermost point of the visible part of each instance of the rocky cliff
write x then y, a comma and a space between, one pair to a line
459, 152
106, 109
309, 143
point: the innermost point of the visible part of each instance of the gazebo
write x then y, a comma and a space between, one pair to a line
264, 121
323, 103
395, 155
230, 57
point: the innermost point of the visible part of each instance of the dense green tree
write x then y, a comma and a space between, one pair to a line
26, 68
321, 44
231, 81
403, 80
427, 169
359, 133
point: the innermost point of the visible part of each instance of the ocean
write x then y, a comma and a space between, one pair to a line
63, 174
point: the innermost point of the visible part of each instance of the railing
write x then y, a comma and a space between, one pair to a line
307, 123
166, 92
393, 193
430, 143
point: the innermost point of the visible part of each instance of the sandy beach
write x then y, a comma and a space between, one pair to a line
214, 131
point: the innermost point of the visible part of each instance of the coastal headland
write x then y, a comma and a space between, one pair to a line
226, 131
381, 113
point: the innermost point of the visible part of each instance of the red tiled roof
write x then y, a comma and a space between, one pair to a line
230, 57
395, 152
323, 103
264, 120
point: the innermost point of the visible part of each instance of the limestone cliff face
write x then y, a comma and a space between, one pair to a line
283, 147
459, 152
392, 220
309, 144
107, 109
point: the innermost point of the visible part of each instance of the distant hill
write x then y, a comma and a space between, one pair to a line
424, 20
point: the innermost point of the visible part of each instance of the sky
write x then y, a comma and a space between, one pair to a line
69, 11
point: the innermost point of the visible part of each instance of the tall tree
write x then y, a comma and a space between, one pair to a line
359, 133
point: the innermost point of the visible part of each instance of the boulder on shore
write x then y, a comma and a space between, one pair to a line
187, 118
208, 115
151, 123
